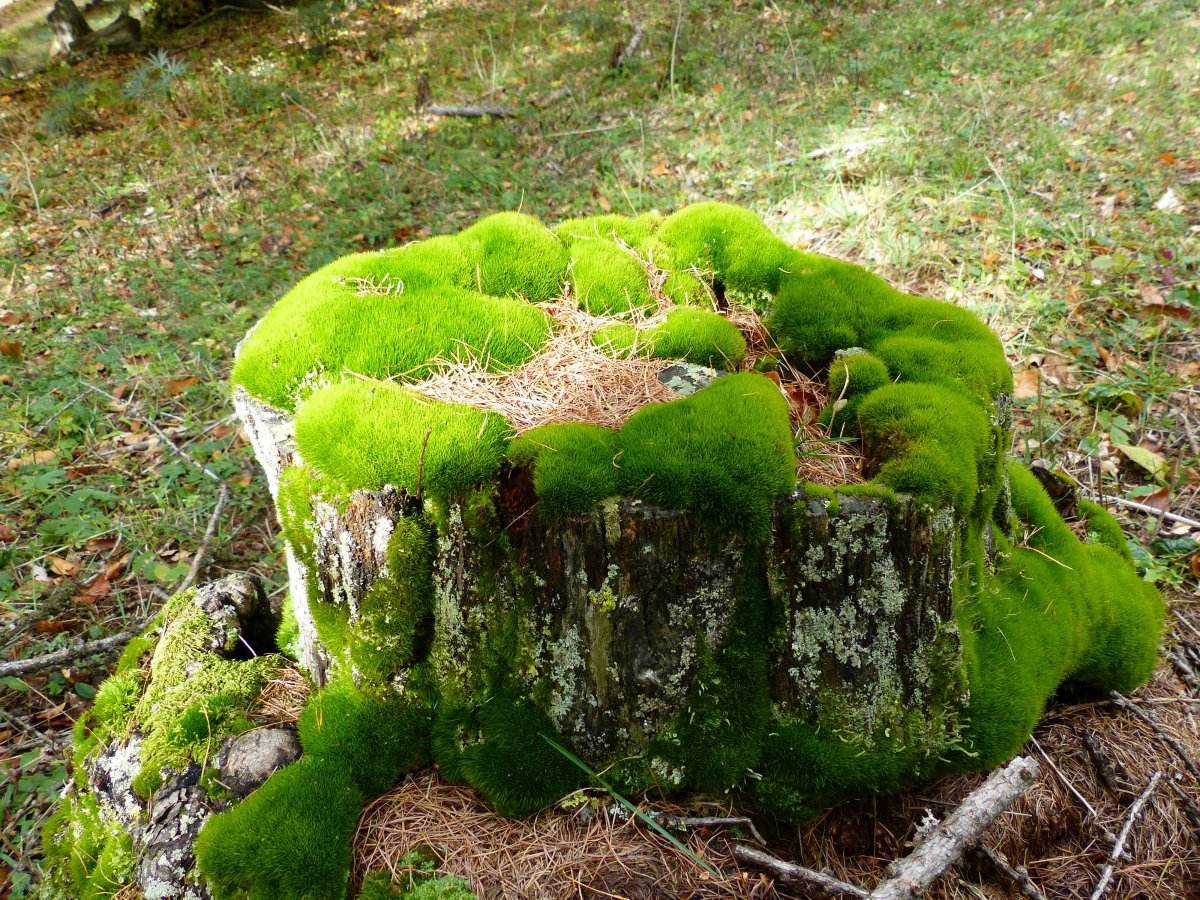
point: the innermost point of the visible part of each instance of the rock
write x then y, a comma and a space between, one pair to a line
686, 378
247, 760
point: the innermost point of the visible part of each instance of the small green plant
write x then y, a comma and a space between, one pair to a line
153, 79
71, 109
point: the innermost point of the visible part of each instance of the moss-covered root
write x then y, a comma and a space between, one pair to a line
1057, 611
291, 837
87, 855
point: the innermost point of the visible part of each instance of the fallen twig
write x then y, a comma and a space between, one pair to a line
470, 112
1143, 507
1016, 876
790, 873
624, 52
201, 554
19, 667
1135, 809
941, 847
1187, 804
1105, 768
961, 830
1152, 720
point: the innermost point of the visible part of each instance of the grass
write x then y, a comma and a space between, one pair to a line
1020, 162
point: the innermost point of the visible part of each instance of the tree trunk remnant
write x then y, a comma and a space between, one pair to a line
618, 610
74, 37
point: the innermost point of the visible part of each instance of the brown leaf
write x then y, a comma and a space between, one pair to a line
1159, 500
100, 587
116, 568
49, 626
177, 386
1025, 384
11, 349
1196, 564
62, 566
6, 533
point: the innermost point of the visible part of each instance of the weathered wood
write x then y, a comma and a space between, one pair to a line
790, 873
961, 830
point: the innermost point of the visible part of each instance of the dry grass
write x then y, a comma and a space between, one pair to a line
572, 380
283, 698
1060, 829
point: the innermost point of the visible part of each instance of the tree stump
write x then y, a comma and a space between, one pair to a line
664, 590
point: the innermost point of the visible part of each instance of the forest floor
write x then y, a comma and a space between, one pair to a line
1035, 162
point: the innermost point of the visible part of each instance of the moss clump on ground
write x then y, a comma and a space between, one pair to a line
380, 886
194, 697
291, 837
696, 335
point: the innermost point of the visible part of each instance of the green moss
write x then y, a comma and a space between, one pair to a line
574, 465
1104, 529
393, 616
852, 377
699, 336
287, 635
194, 697
379, 886
725, 452
374, 738
289, 838
608, 280
354, 316
934, 442
515, 255
498, 748
86, 855
719, 736
728, 241
370, 434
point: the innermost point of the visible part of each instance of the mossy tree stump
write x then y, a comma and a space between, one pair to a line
663, 594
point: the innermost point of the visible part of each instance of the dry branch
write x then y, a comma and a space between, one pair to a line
470, 112
19, 667
961, 830
202, 552
790, 873
1135, 809
1016, 876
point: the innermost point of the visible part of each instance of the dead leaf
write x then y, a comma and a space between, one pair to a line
100, 587
49, 626
1025, 384
6, 533
1169, 202
1160, 500
1196, 564
177, 386
61, 566
1167, 158
116, 568
11, 349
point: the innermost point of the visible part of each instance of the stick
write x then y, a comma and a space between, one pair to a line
1105, 768
202, 553
1187, 803
470, 112
1150, 719
20, 667
946, 844
625, 51
683, 823
1016, 876
1118, 849
790, 873
1142, 507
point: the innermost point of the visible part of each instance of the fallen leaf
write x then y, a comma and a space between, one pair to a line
1196, 564
177, 386
1167, 158
1160, 500
6, 533
11, 349
659, 169
1152, 462
62, 566
1025, 384
49, 626
1169, 202
100, 587
116, 568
